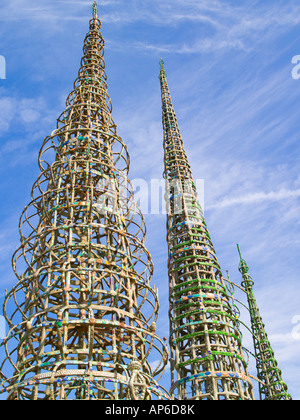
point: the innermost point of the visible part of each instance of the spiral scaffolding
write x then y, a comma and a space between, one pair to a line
207, 361
83, 314
271, 385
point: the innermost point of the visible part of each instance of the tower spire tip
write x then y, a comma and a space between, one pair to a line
95, 9
243, 267
238, 247
162, 68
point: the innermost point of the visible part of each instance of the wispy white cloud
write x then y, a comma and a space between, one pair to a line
230, 26
24, 123
7, 112
257, 197
26, 110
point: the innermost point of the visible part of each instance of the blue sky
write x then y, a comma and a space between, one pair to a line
229, 68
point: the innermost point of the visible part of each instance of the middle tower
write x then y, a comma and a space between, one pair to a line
206, 348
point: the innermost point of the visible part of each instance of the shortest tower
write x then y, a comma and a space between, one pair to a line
267, 366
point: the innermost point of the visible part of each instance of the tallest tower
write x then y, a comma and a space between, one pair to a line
207, 361
82, 315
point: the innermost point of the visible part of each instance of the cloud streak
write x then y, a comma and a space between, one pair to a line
257, 197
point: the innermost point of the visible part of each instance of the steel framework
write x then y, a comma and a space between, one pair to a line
207, 361
82, 315
272, 386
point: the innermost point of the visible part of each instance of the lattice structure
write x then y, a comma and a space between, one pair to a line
83, 314
207, 361
272, 386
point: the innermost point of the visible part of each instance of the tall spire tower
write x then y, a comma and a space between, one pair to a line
82, 316
207, 361
268, 371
